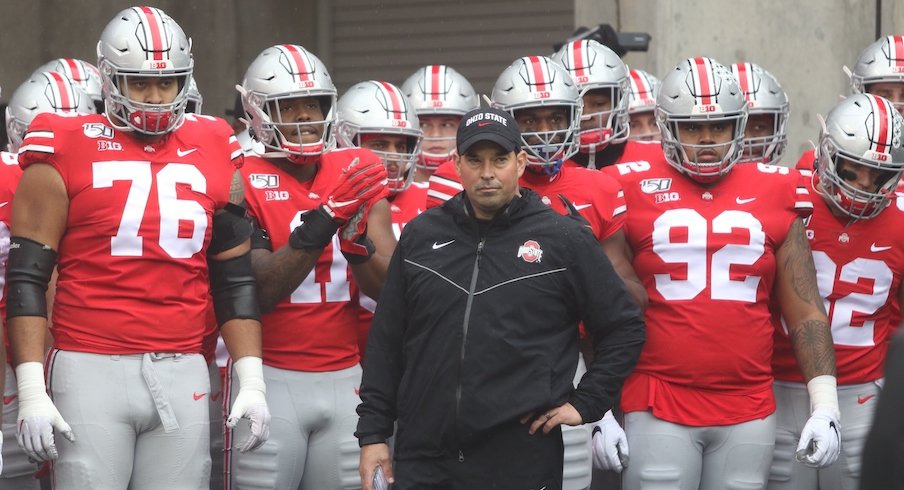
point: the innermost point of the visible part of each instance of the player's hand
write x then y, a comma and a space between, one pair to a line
251, 405
610, 445
357, 185
250, 402
820, 441
38, 418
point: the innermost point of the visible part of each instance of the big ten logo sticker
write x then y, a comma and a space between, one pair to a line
276, 195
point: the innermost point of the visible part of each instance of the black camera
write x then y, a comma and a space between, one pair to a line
620, 42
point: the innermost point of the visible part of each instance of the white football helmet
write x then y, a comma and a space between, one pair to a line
596, 67
700, 90
764, 96
81, 72
881, 61
537, 81
195, 100
281, 72
866, 130
439, 90
643, 89
377, 107
143, 42
43, 92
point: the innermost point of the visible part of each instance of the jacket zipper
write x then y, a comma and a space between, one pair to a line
464, 332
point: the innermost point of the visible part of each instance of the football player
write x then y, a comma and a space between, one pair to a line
641, 104
319, 211
86, 75
42, 92
714, 243
856, 237
765, 136
137, 209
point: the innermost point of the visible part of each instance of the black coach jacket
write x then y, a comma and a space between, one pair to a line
477, 326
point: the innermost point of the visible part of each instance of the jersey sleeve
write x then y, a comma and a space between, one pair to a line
803, 202
807, 161
44, 142
235, 152
616, 207
443, 185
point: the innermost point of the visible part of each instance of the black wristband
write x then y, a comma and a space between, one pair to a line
315, 231
30, 266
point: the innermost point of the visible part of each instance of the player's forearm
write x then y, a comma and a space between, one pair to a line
281, 272
371, 275
26, 339
242, 338
813, 347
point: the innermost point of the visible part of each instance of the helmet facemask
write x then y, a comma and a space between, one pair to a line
835, 173
400, 166
549, 149
686, 156
599, 129
273, 124
768, 148
145, 118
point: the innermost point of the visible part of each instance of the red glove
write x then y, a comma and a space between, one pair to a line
358, 184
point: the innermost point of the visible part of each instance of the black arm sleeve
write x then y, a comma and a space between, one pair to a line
383, 359
233, 289
884, 449
612, 319
28, 273
230, 229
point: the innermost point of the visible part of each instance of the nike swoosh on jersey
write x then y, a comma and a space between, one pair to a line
183, 153
198, 396
744, 201
437, 246
863, 399
4, 203
579, 207
876, 248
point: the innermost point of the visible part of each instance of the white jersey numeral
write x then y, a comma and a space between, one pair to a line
335, 288
846, 329
692, 253
127, 242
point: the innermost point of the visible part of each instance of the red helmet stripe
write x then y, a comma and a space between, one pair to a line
153, 29
578, 58
702, 70
437, 75
394, 97
896, 48
640, 85
301, 67
62, 91
744, 74
536, 69
75, 70
882, 123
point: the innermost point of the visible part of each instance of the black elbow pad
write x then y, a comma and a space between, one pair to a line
233, 289
230, 229
28, 274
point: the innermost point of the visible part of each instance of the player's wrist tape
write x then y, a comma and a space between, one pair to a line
233, 289
250, 371
30, 381
315, 231
28, 273
359, 251
823, 392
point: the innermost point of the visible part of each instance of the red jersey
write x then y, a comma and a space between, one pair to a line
859, 267
597, 196
807, 161
443, 184
407, 204
641, 151
315, 329
10, 173
133, 259
706, 256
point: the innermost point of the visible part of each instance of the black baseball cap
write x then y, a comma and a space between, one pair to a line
488, 124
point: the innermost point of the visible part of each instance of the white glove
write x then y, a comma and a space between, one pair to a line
38, 416
251, 402
610, 445
820, 441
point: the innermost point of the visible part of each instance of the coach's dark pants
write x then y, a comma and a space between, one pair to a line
506, 459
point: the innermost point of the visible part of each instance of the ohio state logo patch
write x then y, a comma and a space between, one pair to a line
530, 251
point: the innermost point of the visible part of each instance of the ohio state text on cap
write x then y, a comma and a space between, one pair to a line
488, 124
